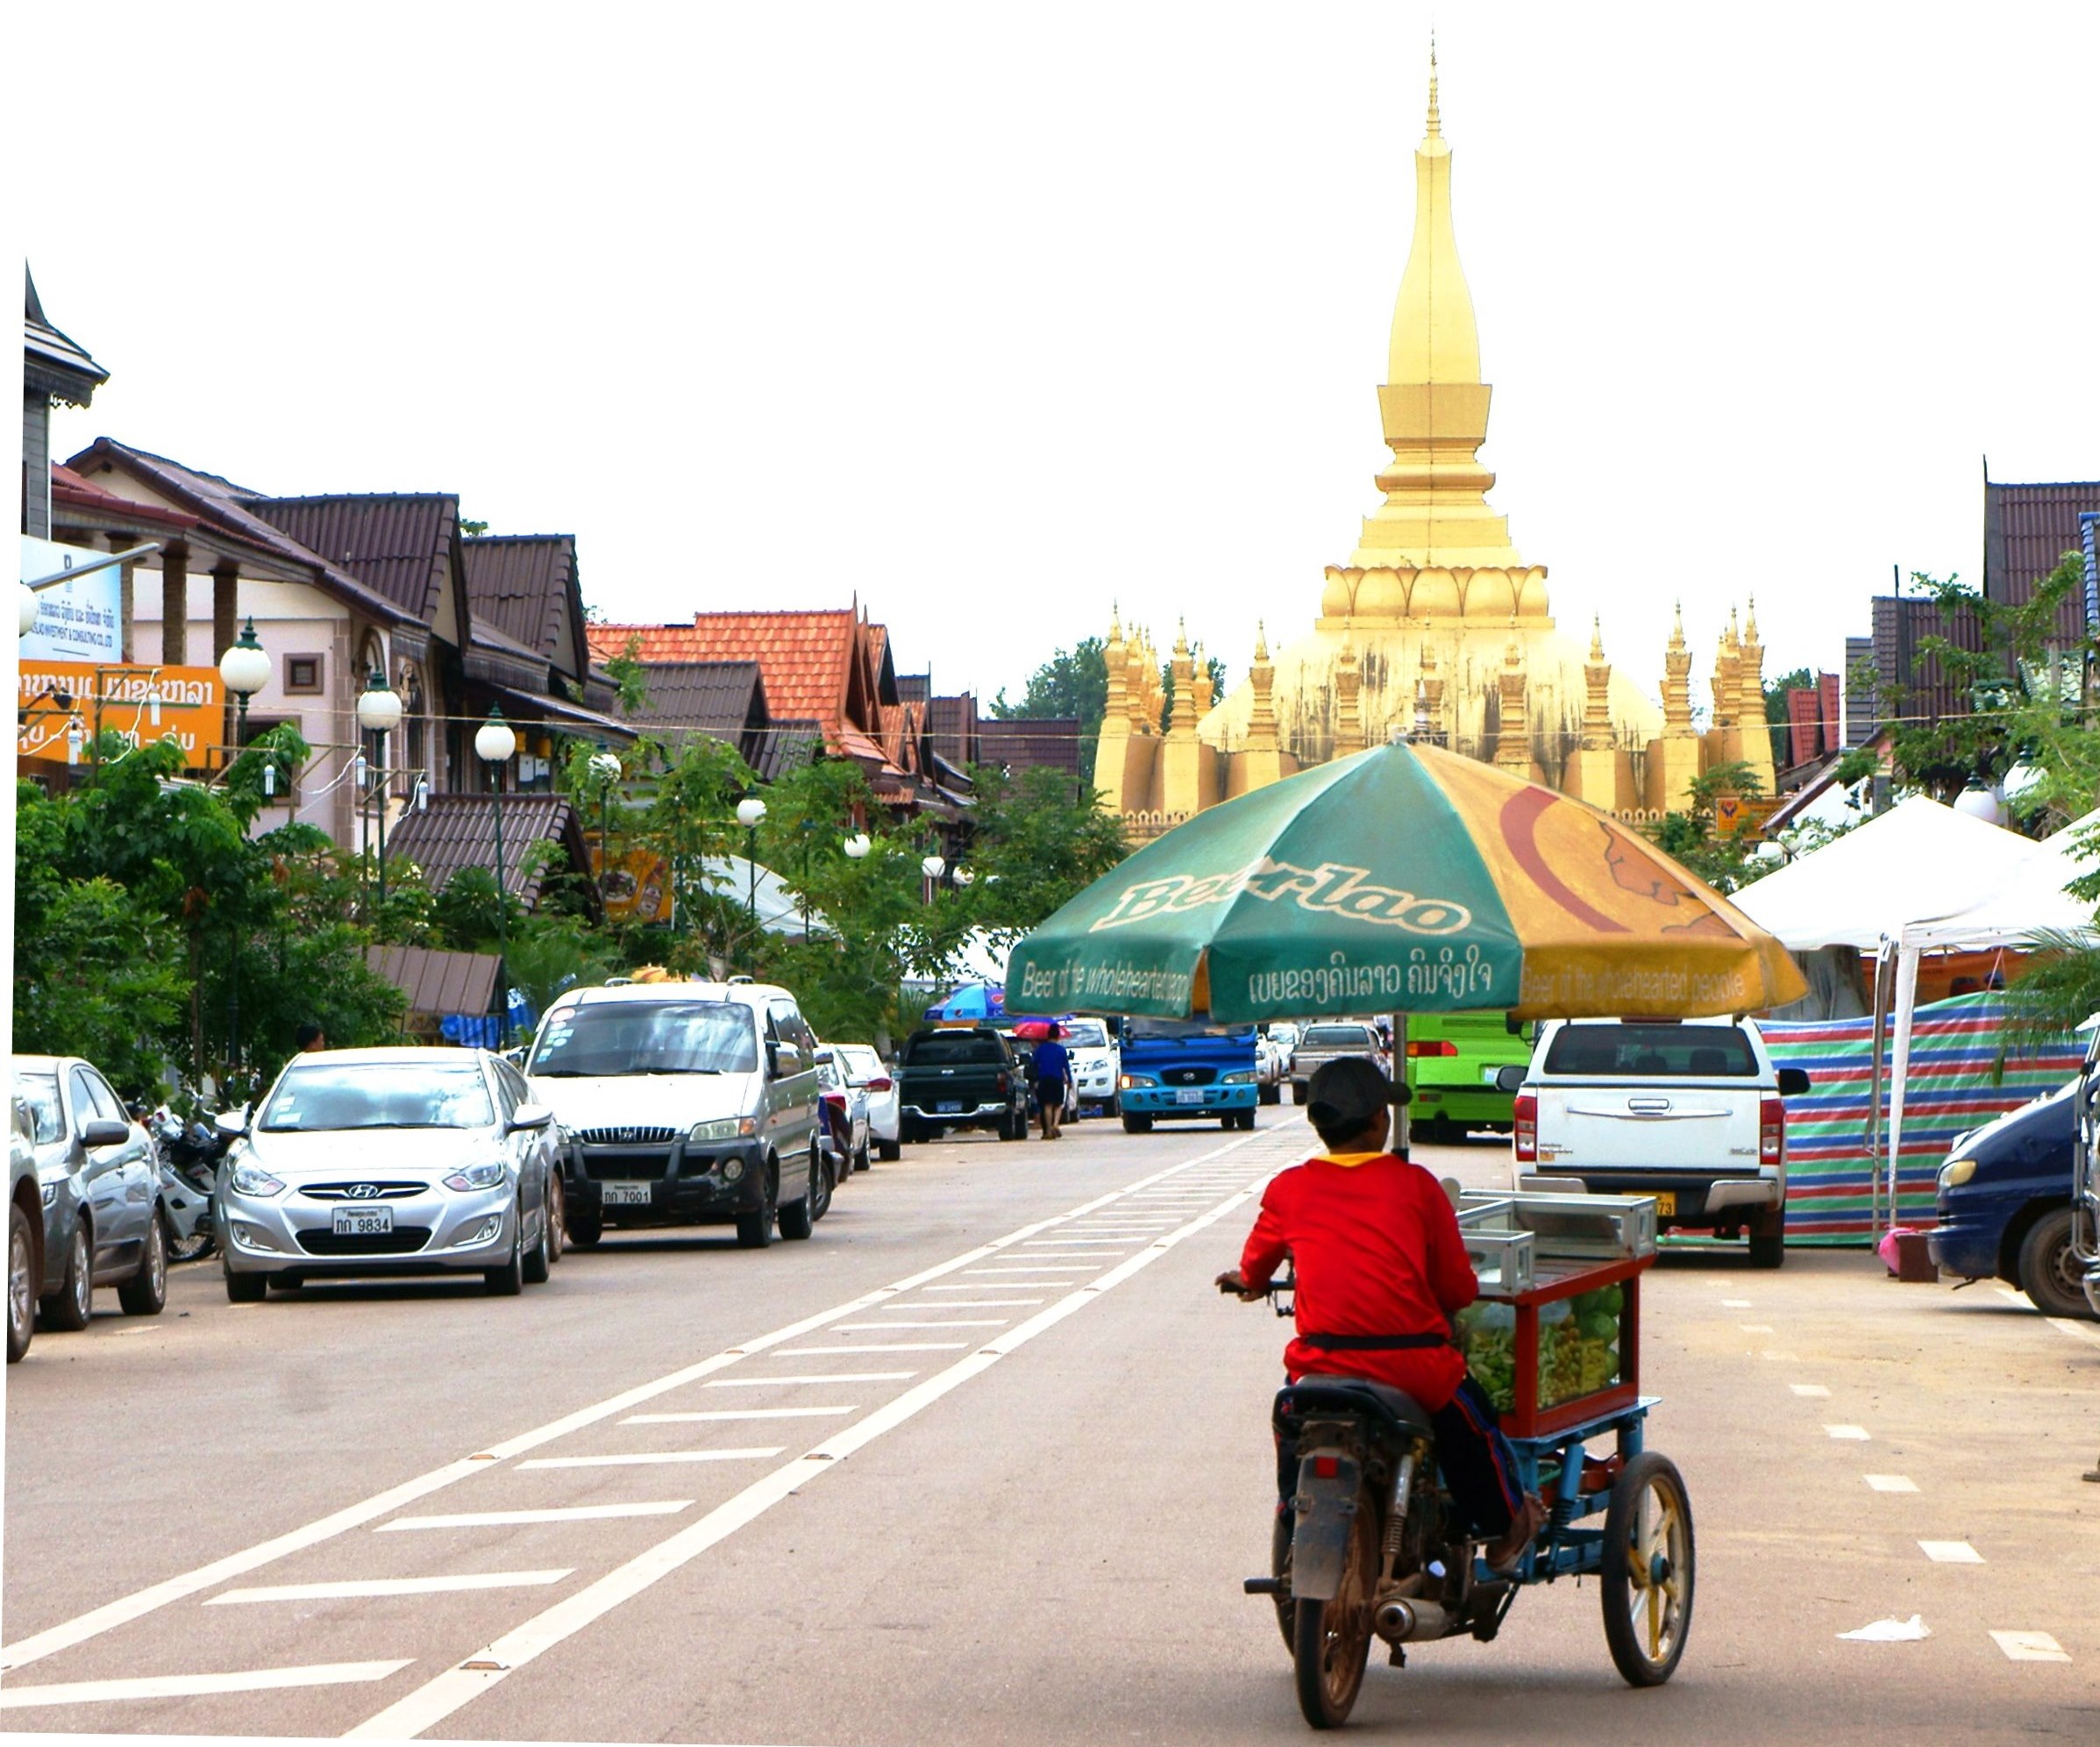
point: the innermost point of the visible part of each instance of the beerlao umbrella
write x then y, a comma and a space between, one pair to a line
1403, 879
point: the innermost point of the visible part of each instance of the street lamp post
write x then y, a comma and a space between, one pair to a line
750, 812
378, 709
495, 742
245, 670
605, 766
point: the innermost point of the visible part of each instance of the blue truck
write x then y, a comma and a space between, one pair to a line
2005, 1205
1187, 1069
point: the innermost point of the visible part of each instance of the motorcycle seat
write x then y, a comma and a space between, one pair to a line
1395, 1405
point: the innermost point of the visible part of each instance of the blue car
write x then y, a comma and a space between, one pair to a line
2005, 1205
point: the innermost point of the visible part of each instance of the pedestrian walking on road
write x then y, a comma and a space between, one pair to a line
1053, 1078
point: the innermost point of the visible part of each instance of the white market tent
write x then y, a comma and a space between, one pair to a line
1920, 858
778, 908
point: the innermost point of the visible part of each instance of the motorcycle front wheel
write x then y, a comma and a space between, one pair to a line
1332, 1639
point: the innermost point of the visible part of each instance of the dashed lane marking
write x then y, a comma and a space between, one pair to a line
822, 1382
1815, 1392
1735, 1304
948, 1322
964, 1304
1038, 1268
1950, 1552
438, 1698
876, 1347
1858, 1434
389, 1586
2077, 1331
197, 1685
2018, 1646
717, 1416
1016, 1286
1891, 1483
565, 1512
650, 1458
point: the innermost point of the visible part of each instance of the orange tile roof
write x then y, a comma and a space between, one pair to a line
805, 657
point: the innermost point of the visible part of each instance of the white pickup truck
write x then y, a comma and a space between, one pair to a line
1689, 1111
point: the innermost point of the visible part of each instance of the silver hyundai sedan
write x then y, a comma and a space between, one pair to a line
392, 1162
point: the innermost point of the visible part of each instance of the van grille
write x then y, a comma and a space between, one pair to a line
626, 1137
1187, 1076
349, 1192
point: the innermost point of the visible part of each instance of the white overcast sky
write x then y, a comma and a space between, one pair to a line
993, 315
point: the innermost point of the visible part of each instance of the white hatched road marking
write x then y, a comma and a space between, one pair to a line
1814, 1391
714, 1415
880, 1346
1891, 1483
1048, 1268
964, 1304
1858, 1434
565, 1512
1015, 1286
389, 1586
949, 1323
1951, 1552
798, 1382
2077, 1331
125, 1608
441, 1696
2029, 1647
1735, 1304
197, 1685
645, 1459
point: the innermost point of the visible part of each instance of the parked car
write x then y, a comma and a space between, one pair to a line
847, 1105
2005, 1205
962, 1076
390, 1161
99, 1183
867, 1070
685, 1103
1328, 1041
1691, 1111
1454, 1063
1096, 1062
24, 1230
1272, 1067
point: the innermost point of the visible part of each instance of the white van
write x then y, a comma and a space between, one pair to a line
685, 1103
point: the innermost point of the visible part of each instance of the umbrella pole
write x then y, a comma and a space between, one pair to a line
1401, 1122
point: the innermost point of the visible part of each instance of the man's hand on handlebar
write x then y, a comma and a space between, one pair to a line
1236, 1283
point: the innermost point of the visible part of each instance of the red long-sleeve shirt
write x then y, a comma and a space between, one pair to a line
1377, 1253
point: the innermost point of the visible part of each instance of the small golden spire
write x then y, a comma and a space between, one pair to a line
1181, 637
1116, 622
1750, 624
1261, 641
1436, 128
1676, 635
1597, 638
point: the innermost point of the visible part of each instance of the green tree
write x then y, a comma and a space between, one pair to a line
1038, 842
1694, 838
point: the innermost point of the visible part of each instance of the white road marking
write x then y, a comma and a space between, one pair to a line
2013, 1297
1857, 1433
964, 1304
137, 1605
718, 1414
835, 1376
2077, 1331
1043, 1268
389, 1586
1735, 1304
2019, 1646
567, 1513
1015, 1286
197, 1685
441, 1696
1815, 1392
651, 1458
950, 1323
876, 1347
1951, 1552
1891, 1483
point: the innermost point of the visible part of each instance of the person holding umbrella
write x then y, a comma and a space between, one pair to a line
1053, 1081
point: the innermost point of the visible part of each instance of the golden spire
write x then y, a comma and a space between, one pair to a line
1597, 699
1261, 641
1435, 337
1597, 638
1435, 130
1115, 623
1677, 633
1181, 637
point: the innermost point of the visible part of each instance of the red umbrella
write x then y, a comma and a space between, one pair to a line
1034, 1030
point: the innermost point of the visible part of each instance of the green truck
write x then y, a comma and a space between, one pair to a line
1452, 1062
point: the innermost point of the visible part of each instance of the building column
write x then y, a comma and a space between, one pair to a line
225, 626
126, 583
174, 605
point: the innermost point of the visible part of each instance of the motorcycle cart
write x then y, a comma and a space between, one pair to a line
1555, 1340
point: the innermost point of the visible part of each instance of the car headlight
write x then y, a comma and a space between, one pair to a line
1956, 1171
730, 1128
252, 1180
1240, 1076
492, 1175
1130, 1080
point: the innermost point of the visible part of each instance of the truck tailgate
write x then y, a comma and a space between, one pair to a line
1607, 1126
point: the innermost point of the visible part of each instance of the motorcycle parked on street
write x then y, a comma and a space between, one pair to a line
188, 1155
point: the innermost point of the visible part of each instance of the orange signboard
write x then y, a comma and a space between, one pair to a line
636, 887
62, 704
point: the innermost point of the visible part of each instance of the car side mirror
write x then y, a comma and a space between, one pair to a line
824, 1056
528, 1117
104, 1131
232, 1124
783, 1060
1510, 1077
1793, 1081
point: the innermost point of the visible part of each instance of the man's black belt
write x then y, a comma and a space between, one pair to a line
1375, 1343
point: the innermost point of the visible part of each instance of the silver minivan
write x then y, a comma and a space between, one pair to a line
685, 1103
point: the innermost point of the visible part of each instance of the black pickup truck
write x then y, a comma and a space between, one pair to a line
954, 1078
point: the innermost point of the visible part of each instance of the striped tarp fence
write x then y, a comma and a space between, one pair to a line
1953, 1086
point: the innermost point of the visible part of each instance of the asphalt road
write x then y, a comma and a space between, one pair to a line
985, 1461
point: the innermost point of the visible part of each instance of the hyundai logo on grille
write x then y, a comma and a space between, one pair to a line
628, 1133
362, 1192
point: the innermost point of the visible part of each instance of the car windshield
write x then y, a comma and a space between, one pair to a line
1085, 1034
379, 1095
614, 1037
40, 1093
965, 1051
1652, 1052
1337, 1037
862, 1062
1139, 1029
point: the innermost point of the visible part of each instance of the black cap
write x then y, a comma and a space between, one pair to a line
1345, 1094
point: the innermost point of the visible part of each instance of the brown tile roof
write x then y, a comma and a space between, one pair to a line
785, 746
438, 983
526, 585
1024, 743
459, 831
54, 363
398, 544
2027, 530
722, 698
68, 487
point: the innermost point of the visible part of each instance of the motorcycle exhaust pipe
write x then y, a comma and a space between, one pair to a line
1403, 1621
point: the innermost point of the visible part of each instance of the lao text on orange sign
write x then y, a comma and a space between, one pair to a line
138, 704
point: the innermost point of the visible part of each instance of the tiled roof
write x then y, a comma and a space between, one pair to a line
68, 487
459, 831
722, 698
521, 584
52, 363
438, 983
396, 543
785, 746
2027, 530
1024, 743
805, 656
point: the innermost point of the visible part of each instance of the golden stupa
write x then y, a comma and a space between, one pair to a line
1435, 627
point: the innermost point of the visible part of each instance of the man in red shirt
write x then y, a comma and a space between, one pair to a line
1381, 1270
